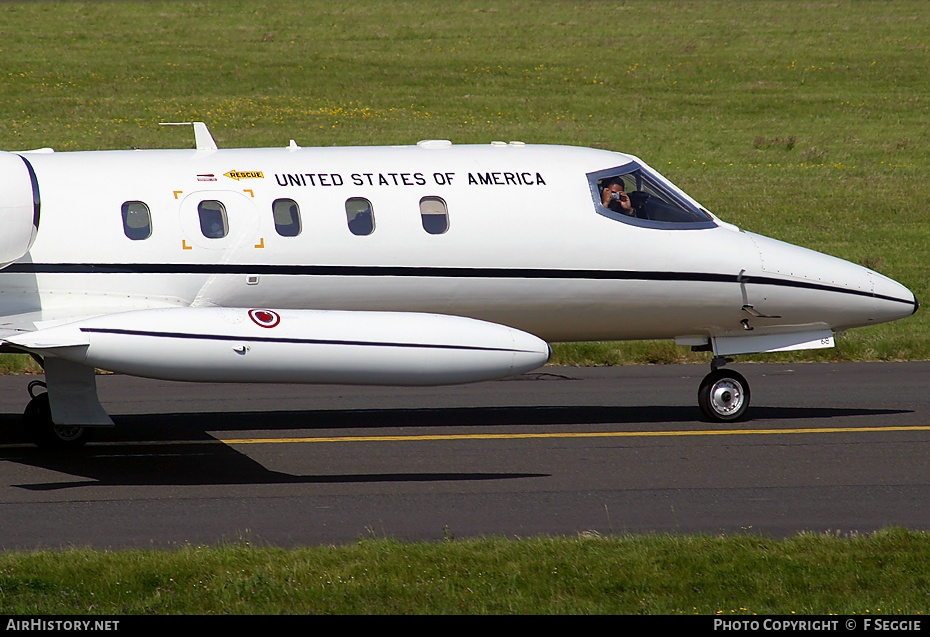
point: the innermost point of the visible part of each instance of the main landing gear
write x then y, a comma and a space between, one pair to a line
723, 395
37, 419
67, 419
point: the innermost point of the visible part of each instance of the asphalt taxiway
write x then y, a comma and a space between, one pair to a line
837, 448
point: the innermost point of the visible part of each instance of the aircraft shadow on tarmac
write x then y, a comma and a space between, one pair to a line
178, 449
181, 426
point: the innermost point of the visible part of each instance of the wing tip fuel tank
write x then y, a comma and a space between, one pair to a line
214, 344
19, 207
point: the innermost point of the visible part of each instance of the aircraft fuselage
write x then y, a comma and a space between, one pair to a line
523, 246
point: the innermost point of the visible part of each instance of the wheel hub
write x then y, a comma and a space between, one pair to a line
68, 433
726, 397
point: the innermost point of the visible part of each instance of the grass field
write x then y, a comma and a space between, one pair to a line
878, 574
805, 121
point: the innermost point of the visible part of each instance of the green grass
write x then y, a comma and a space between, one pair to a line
878, 574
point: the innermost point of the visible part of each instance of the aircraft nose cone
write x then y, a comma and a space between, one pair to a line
809, 286
892, 300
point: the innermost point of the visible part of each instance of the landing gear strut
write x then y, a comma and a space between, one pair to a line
38, 421
723, 395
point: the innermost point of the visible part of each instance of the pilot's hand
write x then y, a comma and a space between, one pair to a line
625, 203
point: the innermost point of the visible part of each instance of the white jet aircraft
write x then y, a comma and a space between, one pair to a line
416, 265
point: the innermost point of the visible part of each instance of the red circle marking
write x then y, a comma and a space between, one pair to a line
264, 318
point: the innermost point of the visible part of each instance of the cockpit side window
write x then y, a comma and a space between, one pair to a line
634, 195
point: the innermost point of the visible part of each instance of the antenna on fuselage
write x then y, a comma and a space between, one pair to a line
202, 137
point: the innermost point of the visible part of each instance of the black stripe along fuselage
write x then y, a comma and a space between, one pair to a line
431, 272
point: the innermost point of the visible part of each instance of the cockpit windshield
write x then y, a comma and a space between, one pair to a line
634, 194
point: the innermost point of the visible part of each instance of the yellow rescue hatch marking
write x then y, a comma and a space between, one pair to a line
261, 243
244, 174
587, 434
184, 245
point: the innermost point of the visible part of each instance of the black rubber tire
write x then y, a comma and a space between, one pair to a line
724, 396
37, 419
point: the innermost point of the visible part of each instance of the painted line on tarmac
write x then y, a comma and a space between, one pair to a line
587, 434
488, 436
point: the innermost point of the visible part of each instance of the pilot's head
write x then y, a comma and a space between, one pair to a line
615, 184
614, 180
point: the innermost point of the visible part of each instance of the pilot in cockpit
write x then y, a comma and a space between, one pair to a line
614, 197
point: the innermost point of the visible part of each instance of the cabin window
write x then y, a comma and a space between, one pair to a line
360, 216
635, 195
434, 214
286, 217
213, 222
137, 220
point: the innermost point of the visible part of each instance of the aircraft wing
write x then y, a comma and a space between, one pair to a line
18, 326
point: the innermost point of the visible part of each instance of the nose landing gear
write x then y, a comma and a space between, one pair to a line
724, 394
